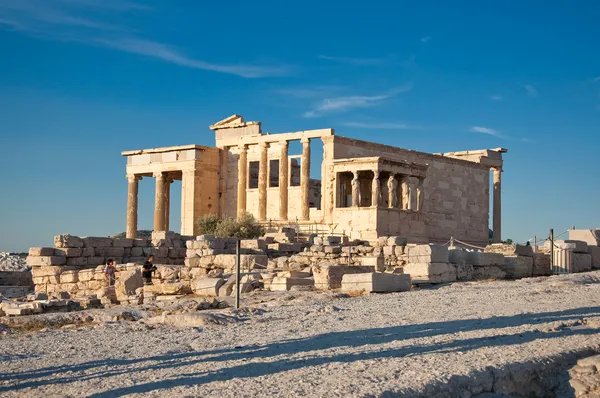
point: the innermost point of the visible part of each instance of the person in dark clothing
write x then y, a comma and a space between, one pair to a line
147, 269
109, 272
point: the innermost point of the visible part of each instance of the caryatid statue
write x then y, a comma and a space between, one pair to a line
412, 193
375, 190
392, 189
420, 194
405, 193
356, 199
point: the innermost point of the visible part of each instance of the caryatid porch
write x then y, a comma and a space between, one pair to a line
386, 195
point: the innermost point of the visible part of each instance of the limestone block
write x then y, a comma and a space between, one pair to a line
581, 262
283, 284
430, 272
510, 249
206, 237
328, 276
77, 261
137, 252
577, 246
294, 274
464, 272
141, 242
122, 242
67, 241
91, 241
396, 241
181, 287
88, 252
399, 251
254, 244
69, 277
541, 265
207, 287
128, 282
45, 271
382, 241
177, 252
458, 256
96, 284
165, 273
488, 272
86, 275
92, 261
481, 259
332, 240
333, 249
115, 251
517, 267
594, 251
377, 262
34, 261
68, 251
41, 251
427, 254
376, 282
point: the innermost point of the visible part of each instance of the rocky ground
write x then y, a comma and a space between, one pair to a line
466, 339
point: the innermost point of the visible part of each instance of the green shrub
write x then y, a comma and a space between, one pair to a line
244, 228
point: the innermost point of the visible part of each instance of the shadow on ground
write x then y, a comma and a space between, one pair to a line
111, 367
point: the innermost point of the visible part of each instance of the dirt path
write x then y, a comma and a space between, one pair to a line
464, 339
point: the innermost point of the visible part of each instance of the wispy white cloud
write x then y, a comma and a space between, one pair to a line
382, 125
526, 140
354, 61
77, 21
531, 91
486, 130
496, 98
344, 103
425, 39
309, 92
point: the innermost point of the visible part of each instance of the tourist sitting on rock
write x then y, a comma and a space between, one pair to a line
109, 272
147, 269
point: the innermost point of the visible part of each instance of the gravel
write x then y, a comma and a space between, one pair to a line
462, 339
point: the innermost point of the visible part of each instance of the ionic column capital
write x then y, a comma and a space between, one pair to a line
133, 177
158, 174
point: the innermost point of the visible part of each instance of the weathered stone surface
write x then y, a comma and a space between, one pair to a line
396, 241
594, 252
517, 267
464, 272
207, 287
430, 272
457, 256
589, 236
67, 241
481, 259
97, 242
541, 265
328, 276
377, 262
175, 287
68, 251
510, 249
427, 254
581, 262
283, 284
77, 261
127, 283
69, 277
376, 282
115, 251
488, 272
41, 251
46, 260
122, 242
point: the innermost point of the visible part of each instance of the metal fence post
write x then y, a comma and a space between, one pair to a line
554, 269
237, 273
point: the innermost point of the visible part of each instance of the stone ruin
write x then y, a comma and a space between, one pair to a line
71, 273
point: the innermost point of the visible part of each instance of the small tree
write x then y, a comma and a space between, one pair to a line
245, 227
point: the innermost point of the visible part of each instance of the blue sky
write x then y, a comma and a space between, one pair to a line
82, 80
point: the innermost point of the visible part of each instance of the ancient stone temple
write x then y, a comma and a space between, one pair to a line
366, 189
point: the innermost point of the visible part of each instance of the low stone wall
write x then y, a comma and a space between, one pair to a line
16, 278
76, 265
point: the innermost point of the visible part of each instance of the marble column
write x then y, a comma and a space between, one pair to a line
159, 202
305, 180
497, 227
132, 205
262, 181
420, 194
242, 176
283, 181
355, 190
168, 181
392, 191
375, 190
